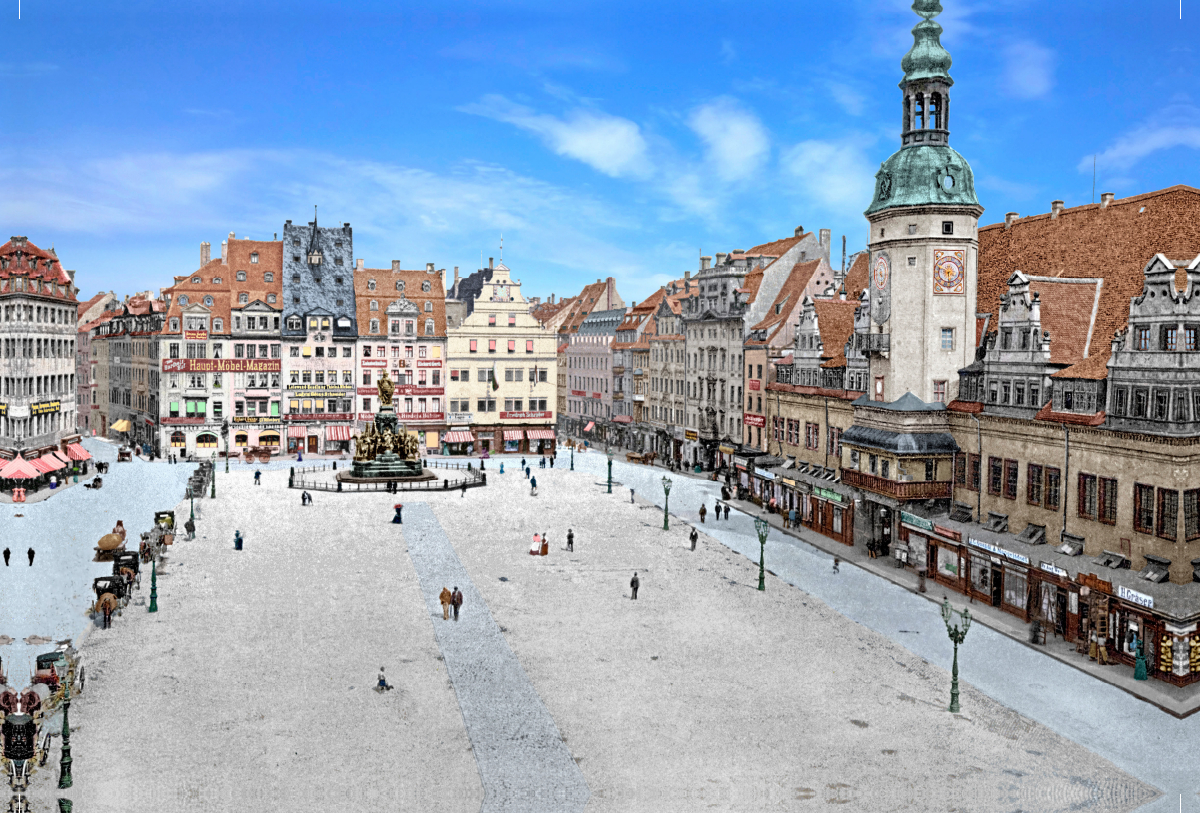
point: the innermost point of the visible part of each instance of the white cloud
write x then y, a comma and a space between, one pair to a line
849, 99
1028, 70
1172, 127
728, 53
837, 175
611, 144
736, 143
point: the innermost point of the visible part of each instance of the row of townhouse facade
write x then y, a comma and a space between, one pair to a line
279, 345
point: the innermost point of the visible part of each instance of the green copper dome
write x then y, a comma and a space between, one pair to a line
927, 59
917, 176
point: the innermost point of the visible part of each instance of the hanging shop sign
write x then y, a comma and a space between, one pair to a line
1055, 569
788, 483
220, 365
690, 434
750, 419
827, 494
374, 362
947, 533
1093, 582
1134, 597
756, 384
1016, 557
723, 449
913, 519
45, 407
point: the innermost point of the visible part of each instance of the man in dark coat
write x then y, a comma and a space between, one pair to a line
30, 557
7, 553
727, 511
633, 584
257, 478
570, 540
703, 511
694, 536
718, 509
456, 601
464, 488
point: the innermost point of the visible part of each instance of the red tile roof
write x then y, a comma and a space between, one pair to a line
777, 248
835, 320
790, 294
1113, 242
1067, 309
43, 269
385, 293
858, 277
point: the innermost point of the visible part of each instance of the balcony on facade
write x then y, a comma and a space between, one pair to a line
638, 372
638, 396
872, 342
618, 369
900, 490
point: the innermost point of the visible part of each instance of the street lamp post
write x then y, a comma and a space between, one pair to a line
572, 458
191, 505
153, 585
214, 476
610, 471
64, 778
763, 528
666, 481
957, 633
225, 434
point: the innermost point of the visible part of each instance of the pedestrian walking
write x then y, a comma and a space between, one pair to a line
522, 462
551, 461
533, 486
257, 477
694, 536
791, 518
570, 540
631, 496
718, 507
727, 511
633, 585
7, 553
542, 464
30, 552
456, 600
445, 598
464, 488
703, 512
399, 518
384, 686
836, 562
528, 472
190, 527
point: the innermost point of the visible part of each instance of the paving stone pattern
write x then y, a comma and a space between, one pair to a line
523, 762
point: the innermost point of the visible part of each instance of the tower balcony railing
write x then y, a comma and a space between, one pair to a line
897, 489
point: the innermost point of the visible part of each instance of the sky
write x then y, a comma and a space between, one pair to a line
599, 139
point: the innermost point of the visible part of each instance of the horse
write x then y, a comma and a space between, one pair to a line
131, 577
106, 604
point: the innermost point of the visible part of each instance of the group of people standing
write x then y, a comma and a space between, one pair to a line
717, 508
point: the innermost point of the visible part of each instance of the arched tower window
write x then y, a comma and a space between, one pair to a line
935, 111
907, 113
919, 113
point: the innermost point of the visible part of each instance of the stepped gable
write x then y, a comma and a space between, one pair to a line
1112, 242
835, 321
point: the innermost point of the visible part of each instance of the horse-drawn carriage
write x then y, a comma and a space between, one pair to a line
110, 593
260, 453
124, 455
125, 565
51, 670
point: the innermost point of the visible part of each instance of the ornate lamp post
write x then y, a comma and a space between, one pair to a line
957, 633
610, 471
154, 586
64, 765
213, 496
191, 505
225, 434
666, 481
763, 528
572, 458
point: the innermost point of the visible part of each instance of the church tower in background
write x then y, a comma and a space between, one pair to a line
924, 245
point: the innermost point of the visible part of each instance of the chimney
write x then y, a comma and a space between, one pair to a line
442, 277
359, 264
610, 293
225, 251
455, 276
1105, 199
1056, 207
799, 232
843, 255
687, 275
721, 257
705, 262
1010, 218
490, 265
276, 236
205, 254
428, 268
232, 237
395, 265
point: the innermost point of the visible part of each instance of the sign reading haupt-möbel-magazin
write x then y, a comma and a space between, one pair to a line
221, 365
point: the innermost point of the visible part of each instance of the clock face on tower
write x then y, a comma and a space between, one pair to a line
949, 271
882, 271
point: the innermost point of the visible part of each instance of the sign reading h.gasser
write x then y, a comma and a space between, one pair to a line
220, 365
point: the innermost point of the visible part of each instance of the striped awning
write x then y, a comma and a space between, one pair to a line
77, 452
62, 457
459, 437
591, 425
540, 434
51, 460
120, 426
337, 433
622, 419
19, 469
41, 465
297, 431
513, 434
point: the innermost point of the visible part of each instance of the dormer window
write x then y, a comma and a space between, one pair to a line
294, 323
254, 257
271, 299
183, 300
241, 276
400, 285
216, 280
243, 299
208, 300
429, 307
195, 280
371, 285
268, 277
374, 305
175, 325
425, 286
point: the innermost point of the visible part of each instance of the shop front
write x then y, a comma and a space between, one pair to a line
998, 577
458, 441
190, 436
541, 441
829, 513
1055, 600
939, 550
513, 440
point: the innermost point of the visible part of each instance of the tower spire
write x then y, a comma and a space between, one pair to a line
927, 59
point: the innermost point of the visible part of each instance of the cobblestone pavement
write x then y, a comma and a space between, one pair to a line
523, 762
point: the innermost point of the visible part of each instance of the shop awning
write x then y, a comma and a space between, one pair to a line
540, 434
51, 460
337, 433
297, 431
19, 469
62, 457
513, 434
459, 437
77, 452
622, 419
41, 465
591, 425
149, 422
120, 426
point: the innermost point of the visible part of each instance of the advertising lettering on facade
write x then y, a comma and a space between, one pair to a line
1055, 569
755, 384
579, 393
460, 417
1134, 597
322, 393
45, 407
750, 419
262, 420
404, 389
947, 533
595, 395
319, 416
184, 421
419, 416
340, 388
430, 364
827, 494
195, 335
4, 408
998, 550
524, 416
919, 522
690, 434
374, 362
220, 365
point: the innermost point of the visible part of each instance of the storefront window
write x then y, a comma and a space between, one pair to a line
947, 562
837, 520
1016, 587
981, 574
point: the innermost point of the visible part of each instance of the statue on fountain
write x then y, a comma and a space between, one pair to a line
385, 450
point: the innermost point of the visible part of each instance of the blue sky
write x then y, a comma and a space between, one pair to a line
607, 138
